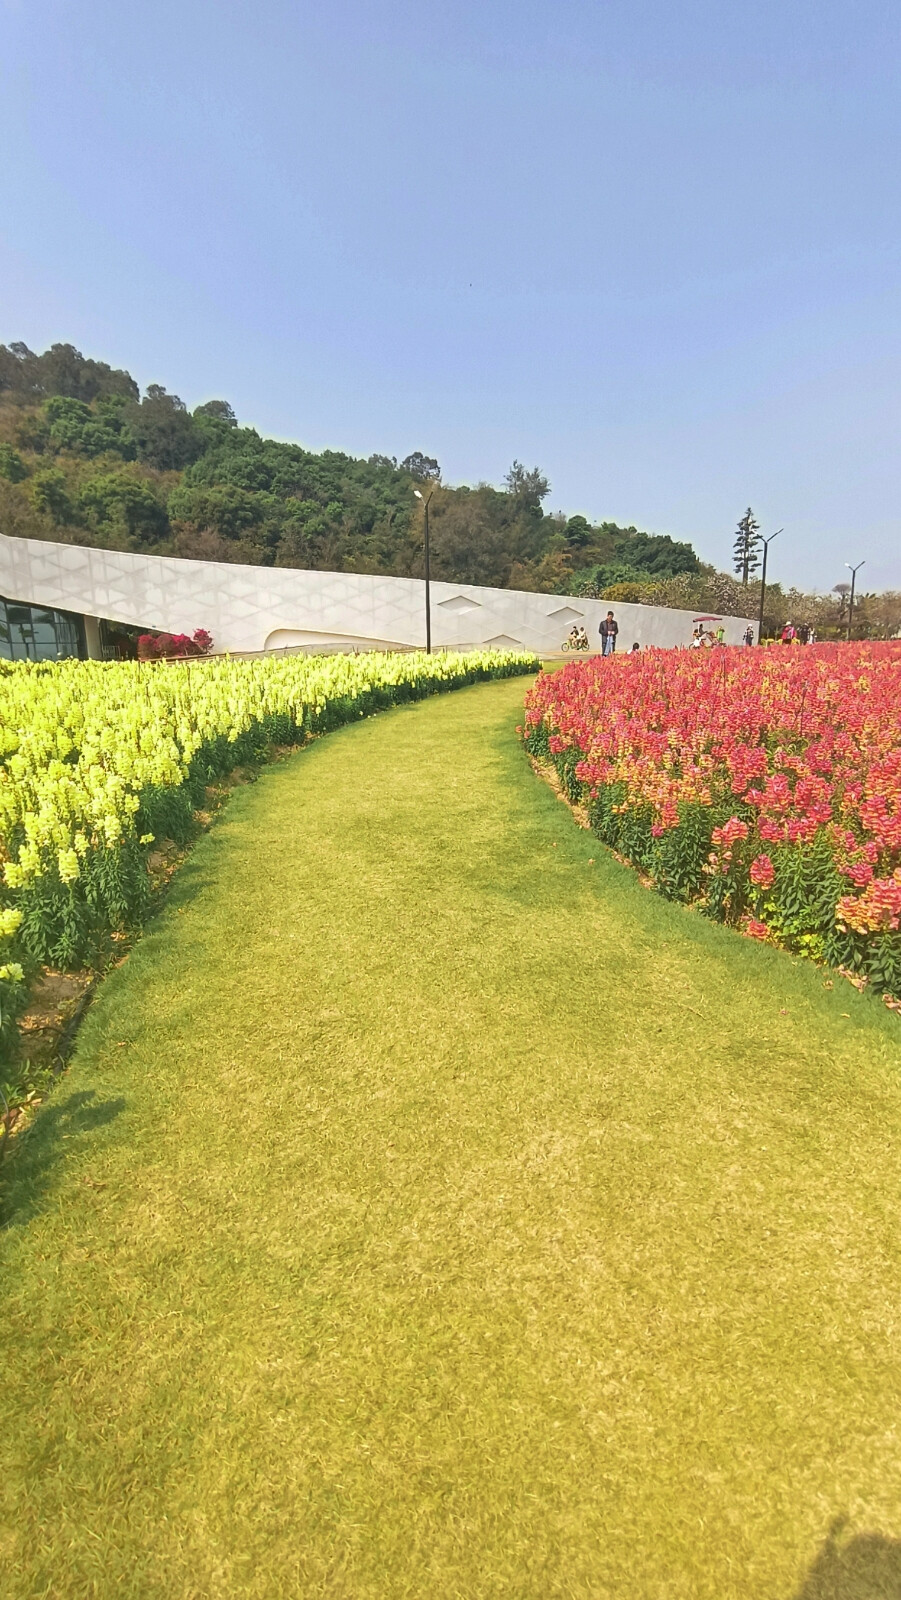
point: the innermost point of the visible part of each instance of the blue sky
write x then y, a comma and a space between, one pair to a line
650, 245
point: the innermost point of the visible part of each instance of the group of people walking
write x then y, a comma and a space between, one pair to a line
702, 638
800, 635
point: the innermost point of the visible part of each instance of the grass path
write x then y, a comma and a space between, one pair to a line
429, 1212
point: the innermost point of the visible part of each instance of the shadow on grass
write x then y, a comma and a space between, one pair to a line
59, 1131
865, 1567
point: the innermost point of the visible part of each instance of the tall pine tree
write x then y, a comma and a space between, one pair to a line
746, 550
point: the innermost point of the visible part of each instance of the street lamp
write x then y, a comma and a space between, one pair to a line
428, 574
766, 545
853, 571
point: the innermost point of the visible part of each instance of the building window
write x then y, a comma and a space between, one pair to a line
35, 633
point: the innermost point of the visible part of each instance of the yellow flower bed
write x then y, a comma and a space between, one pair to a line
98, 757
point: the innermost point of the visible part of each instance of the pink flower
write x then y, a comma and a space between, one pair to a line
730, 832
762, 871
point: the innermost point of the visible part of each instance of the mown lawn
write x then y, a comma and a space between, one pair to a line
431, 1211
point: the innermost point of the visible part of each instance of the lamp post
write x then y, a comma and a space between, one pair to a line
853, 571
766, 545
428, 574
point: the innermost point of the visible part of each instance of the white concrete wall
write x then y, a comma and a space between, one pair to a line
259, 608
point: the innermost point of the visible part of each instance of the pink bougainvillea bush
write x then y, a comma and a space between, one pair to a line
158, 646
765, 784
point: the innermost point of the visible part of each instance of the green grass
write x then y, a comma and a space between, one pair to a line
429, 1211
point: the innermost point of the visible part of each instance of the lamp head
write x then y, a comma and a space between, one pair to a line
418, 493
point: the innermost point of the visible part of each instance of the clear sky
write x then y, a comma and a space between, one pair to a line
651, 246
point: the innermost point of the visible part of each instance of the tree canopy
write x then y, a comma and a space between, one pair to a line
86, 458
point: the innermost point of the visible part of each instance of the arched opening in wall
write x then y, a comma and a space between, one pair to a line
311, 639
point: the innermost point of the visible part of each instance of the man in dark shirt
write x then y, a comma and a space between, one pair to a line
608, 630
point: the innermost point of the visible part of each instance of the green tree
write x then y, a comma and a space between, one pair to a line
64, 370
126, 506
216, 411
527, 488
165, 433
423, 468
61, 370
482, 535
746, 549
50, 495
76, 427
12, 467
577, 533
225, 508
653, 553
235, 495
214, 421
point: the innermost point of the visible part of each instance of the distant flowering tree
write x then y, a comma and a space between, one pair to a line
157, 646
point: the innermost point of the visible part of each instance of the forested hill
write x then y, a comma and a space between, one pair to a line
85, 458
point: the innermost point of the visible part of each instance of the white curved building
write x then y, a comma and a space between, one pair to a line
64, 599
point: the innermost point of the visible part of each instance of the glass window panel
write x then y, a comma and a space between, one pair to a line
43, 634
69, 635
36, 633
20, 632
65, 635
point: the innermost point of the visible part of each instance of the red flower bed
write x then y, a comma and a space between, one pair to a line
765, 784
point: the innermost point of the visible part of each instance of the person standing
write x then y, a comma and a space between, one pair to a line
749, 635
608, 631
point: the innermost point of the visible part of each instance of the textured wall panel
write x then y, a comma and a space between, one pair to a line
246, 608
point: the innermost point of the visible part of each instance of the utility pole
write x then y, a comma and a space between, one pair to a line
853, 571
766, 545
428, 572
